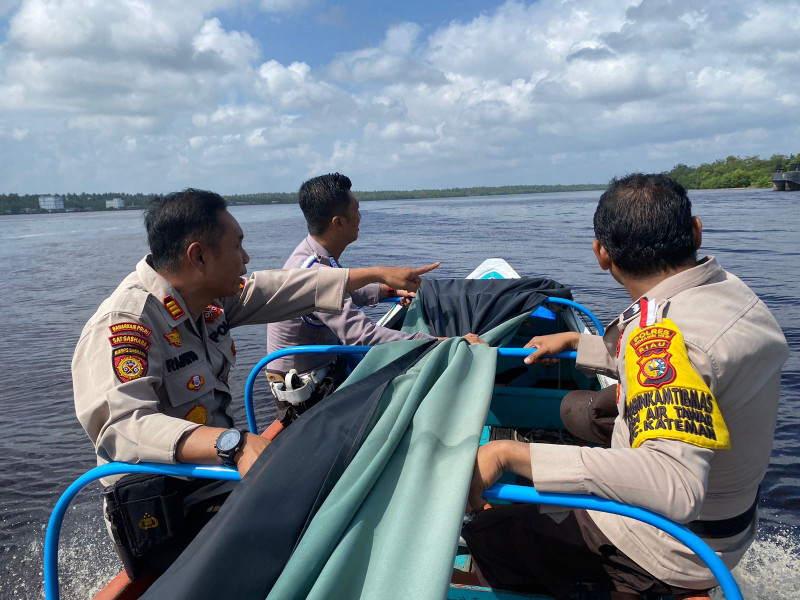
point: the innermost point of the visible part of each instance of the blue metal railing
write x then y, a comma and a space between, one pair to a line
581, 308
342, 350
513, 493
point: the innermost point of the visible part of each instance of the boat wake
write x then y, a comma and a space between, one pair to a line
770, 570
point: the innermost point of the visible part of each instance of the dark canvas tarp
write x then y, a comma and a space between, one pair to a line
448, 307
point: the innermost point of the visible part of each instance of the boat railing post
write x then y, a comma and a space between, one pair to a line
53, 534
528, 494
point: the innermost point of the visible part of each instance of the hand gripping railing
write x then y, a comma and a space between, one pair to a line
513, 493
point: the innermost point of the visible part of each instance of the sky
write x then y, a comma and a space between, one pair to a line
246, 96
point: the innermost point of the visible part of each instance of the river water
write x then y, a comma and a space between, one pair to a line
56, 269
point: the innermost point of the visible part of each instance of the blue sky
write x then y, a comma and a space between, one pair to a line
245, 96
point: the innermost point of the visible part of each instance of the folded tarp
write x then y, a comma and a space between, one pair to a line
243, 549
450, 307
390, 527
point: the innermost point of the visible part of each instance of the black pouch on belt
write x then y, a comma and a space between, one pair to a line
146, 516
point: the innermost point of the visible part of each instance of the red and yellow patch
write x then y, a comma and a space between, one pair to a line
175, 309
174, 338
198, 415
132, 328
195, 383
129, 339
212, 313
129, 363
242, 283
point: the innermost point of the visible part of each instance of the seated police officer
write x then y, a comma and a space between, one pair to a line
150, 372
332, 215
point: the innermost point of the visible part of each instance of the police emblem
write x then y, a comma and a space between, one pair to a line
129, 363
195, 383
174, 338
211, 313
651, 345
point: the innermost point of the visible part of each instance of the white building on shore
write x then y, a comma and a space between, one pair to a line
51, 202
115, 203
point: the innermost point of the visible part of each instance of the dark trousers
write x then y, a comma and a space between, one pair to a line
590, 415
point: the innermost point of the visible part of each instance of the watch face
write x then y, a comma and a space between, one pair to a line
228, 439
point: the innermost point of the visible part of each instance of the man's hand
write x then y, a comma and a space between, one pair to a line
399, 278
405, 278
551, 344
473, 339
494, 459
254, 445
406, 297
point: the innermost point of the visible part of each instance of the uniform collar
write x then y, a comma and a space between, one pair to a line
706, 270
318, 249
170, 302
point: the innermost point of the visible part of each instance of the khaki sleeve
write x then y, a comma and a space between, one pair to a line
271, 296
593, 356
116, 399
667, 476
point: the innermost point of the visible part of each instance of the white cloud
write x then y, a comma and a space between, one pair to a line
108, 95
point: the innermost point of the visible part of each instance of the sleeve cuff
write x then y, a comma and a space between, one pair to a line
159, 441
331, 284
557, 468
593, 355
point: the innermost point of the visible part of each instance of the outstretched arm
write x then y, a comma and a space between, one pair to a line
404, 278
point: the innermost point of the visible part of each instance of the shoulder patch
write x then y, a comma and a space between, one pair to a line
175, 309
131, 328
129, 339
666, 397
195, 383
129, 363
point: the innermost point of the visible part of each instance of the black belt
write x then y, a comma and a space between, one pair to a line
725, 527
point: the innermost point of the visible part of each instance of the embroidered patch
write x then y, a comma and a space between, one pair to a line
666, 397
211, 313
233, 348
129, 363
148, 522
174, 338
242, 283
181, 361
131, 327
195, 383
198, 415
220, 331
129, 339
173, 307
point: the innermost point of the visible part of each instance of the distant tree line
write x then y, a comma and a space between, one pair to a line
29, 203
732, 172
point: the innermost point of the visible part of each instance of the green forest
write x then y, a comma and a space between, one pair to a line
29, 203
733, 172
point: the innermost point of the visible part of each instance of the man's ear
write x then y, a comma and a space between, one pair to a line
336, 223
195, 255
603, 259
697, 232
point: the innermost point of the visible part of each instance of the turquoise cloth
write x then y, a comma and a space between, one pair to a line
390, 527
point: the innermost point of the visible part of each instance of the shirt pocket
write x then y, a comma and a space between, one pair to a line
190, 383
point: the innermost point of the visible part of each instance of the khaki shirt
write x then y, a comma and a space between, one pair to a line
737, 347
351, 326
144, 374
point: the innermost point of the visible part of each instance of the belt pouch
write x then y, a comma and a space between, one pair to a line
146, 516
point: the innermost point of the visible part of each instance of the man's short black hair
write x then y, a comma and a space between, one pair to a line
322, 198
645, 224
176, 220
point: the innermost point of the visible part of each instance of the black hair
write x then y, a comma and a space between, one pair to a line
176, 220
322, 198
645, 224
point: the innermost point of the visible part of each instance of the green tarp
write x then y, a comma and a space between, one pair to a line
390, 526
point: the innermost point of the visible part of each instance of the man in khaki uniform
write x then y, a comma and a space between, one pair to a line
698, 357
150, 372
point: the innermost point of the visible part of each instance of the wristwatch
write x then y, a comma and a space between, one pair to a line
228, 444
